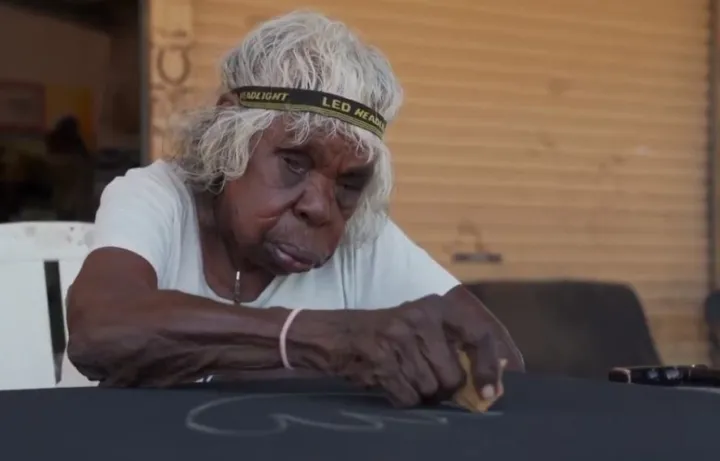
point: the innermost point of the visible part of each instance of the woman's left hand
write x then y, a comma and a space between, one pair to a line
466, 317
411, 351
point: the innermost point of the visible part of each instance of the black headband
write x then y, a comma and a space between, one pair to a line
329, 105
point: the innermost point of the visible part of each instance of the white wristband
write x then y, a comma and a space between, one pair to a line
283, 338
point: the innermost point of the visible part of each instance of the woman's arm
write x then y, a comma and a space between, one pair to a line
125, 332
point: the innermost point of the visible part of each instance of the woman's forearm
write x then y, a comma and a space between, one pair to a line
168, 337
161, 338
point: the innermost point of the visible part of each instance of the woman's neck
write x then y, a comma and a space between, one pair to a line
221, 262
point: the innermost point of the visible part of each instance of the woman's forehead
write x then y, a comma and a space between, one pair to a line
321, 144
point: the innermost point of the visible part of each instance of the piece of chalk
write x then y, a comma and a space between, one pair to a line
468, 397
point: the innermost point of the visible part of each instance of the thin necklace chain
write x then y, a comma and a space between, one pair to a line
236, 291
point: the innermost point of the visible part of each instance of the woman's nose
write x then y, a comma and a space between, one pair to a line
315, 204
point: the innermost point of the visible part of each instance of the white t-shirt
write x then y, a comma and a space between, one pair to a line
150, 211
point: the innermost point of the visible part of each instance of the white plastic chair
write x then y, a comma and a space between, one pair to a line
26, 355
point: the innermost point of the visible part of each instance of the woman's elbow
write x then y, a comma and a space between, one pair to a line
98, 345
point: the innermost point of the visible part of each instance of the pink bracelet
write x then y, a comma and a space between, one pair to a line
283, 338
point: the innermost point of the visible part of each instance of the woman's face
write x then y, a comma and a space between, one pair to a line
289, 210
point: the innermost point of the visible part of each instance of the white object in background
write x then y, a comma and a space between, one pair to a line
26, 355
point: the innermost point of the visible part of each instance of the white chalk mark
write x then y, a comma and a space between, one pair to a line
367, 422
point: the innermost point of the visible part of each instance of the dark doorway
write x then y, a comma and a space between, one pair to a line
70, 104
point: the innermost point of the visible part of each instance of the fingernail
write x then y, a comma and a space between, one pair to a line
488, 392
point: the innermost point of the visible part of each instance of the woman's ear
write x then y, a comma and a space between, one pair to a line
227, 100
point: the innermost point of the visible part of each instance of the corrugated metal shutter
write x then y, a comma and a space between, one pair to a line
568, 134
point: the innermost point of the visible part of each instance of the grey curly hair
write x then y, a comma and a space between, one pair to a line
302, 50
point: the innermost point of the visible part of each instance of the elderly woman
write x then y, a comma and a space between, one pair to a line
263, 240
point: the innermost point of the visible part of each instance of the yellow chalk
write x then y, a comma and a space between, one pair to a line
468, 397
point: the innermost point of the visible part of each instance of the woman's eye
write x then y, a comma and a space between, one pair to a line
349, 194
352, 187
294, 165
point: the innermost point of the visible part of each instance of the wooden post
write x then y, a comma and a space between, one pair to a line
170, 24
714, 147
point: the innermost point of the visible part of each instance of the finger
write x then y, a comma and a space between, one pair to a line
361, 379
444, 364
399, 391
416, 370
359, 372
463, 305
392, 380
507, 349
500, 386
485, 366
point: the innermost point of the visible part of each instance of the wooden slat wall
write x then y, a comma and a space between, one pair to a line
568, 134
170, 69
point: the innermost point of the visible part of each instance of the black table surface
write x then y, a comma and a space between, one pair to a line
540, 417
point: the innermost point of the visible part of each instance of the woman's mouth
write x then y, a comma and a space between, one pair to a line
292, 259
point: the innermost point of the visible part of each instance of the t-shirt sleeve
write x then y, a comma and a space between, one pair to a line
393, 269
136, 213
